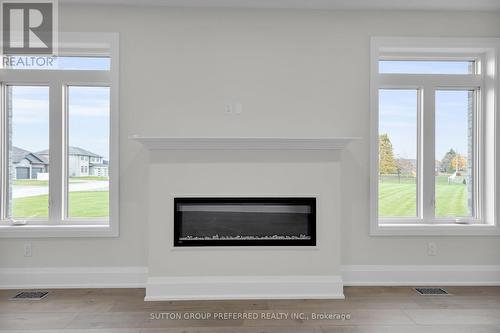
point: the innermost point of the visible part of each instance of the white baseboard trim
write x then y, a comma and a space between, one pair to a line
73, 277
421, 275
251, 287
243, 287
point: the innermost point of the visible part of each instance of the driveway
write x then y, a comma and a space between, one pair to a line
19, 191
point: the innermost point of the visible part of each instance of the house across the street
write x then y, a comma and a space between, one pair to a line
82, 163
28, 165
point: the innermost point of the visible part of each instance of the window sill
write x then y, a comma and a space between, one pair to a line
435, 230
50, 231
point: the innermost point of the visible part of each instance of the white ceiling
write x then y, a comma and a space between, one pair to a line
312, 4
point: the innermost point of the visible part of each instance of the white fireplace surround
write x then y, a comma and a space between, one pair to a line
170, 175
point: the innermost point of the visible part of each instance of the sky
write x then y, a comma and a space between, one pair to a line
398, 110
88, 111
425, 67
67, 63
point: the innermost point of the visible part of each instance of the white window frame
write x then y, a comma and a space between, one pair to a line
485, 51
70, 44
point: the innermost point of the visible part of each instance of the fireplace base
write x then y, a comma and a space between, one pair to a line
243, 287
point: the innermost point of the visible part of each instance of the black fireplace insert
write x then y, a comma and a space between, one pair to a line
245, 221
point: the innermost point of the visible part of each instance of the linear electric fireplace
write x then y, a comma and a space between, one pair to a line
245, 222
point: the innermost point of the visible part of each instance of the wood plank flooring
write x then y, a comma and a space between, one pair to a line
365, 310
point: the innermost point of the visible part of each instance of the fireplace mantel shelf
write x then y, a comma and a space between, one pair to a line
199, 143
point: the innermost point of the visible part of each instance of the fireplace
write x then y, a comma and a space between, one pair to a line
227, 169
245, 222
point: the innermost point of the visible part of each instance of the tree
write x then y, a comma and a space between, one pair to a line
446, 161
406, 166
459, 163
387, 164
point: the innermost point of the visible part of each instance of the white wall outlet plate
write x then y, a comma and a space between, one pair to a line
238, 108
27, 250
431, 249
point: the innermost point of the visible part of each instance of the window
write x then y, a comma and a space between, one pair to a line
455, 178
433, 135
426, 67
88, 112
398, 111
56, 120
61, 63
27, 109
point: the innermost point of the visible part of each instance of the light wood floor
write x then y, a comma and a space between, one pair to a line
371, 309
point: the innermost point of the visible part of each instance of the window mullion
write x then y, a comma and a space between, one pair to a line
479, 143
427, 164
4, 130
56, 136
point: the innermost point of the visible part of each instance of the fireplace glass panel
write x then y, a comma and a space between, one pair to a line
245, 221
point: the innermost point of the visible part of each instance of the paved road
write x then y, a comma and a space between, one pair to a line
29, 191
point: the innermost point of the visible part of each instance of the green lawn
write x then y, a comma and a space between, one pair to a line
399, 199
30, 182
88, 178
81, 204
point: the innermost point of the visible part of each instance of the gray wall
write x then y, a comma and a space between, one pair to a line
297, 73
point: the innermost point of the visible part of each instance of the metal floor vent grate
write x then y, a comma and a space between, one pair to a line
431, 291
30, 295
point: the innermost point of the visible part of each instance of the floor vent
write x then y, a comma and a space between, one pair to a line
431, 291
30, 295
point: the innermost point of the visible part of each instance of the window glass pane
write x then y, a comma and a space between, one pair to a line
425, 67
28, 158
57, 63
454, 142
397, 153
88, 136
